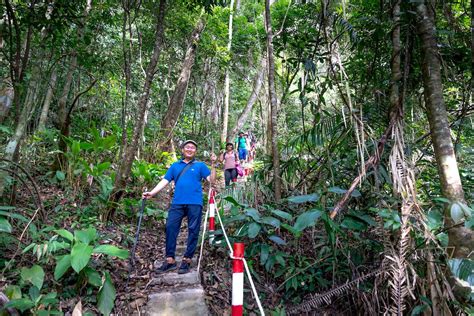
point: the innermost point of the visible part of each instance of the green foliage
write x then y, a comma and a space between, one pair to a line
73, 253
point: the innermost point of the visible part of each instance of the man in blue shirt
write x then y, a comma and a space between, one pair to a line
187, 202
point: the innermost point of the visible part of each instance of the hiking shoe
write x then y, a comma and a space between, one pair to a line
166, 266
184, 267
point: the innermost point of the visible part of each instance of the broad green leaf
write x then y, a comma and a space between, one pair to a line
442, 199
253, 213
466, 209
356, 193
106, 296
13, 215
269, 220
280, 260
75, 148
34, 293
103, 166
93, 277
304, 198
231, 200
112, 251
352, 223
337, 190
254, 229
457, 214
306, 219
7, 208
418, 310
80, 256
462, 268
5, 226
60, 175
86, 235
277, 239
65, 234
282, 214
291, 229
62, 266
13, 292
264, 252
34, 275
50, 298
470, 223
22, 304
236, 218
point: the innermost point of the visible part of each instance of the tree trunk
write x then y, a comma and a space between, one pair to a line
177, 99
62, 123
7, 95
225, 118
273, 104
47, 101
131, 149
257, 85
461, 239
14, 142
472, 52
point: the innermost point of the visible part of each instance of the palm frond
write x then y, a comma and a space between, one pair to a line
322, 132
317, 300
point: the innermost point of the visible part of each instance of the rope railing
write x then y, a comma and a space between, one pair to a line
226, 237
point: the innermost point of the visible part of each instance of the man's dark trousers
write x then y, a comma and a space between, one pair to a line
173, 223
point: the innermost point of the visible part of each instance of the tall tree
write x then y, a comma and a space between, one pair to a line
461, 239
257, 85
132, 147
47, 100
273, 103
177, 99
225, 118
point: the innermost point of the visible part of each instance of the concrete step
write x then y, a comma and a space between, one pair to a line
173, 278
188, 302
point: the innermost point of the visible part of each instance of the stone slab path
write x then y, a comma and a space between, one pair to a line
179, 294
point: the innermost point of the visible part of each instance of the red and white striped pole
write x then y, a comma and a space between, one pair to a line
238, 280
212, 214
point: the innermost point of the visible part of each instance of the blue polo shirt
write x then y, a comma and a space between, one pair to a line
189, 188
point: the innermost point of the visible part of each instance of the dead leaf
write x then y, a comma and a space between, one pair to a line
77, 309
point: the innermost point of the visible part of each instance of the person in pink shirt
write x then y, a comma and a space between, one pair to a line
230, 159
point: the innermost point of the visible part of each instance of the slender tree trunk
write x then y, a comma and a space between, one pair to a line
472, 52
273, 103
225, 117
47, 101
131, 149
177, 98
257, 85
461, 239
14, 142
7, 94
62, 119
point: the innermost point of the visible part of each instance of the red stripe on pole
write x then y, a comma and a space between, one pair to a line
212, 223
237, 310
238, 265
238, 280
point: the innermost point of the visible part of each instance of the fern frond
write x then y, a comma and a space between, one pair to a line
316, 300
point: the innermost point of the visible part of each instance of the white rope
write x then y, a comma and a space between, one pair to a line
223, 230
203, 235
254, 290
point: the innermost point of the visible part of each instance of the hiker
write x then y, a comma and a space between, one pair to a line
187, 175
230, 159
241, 144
